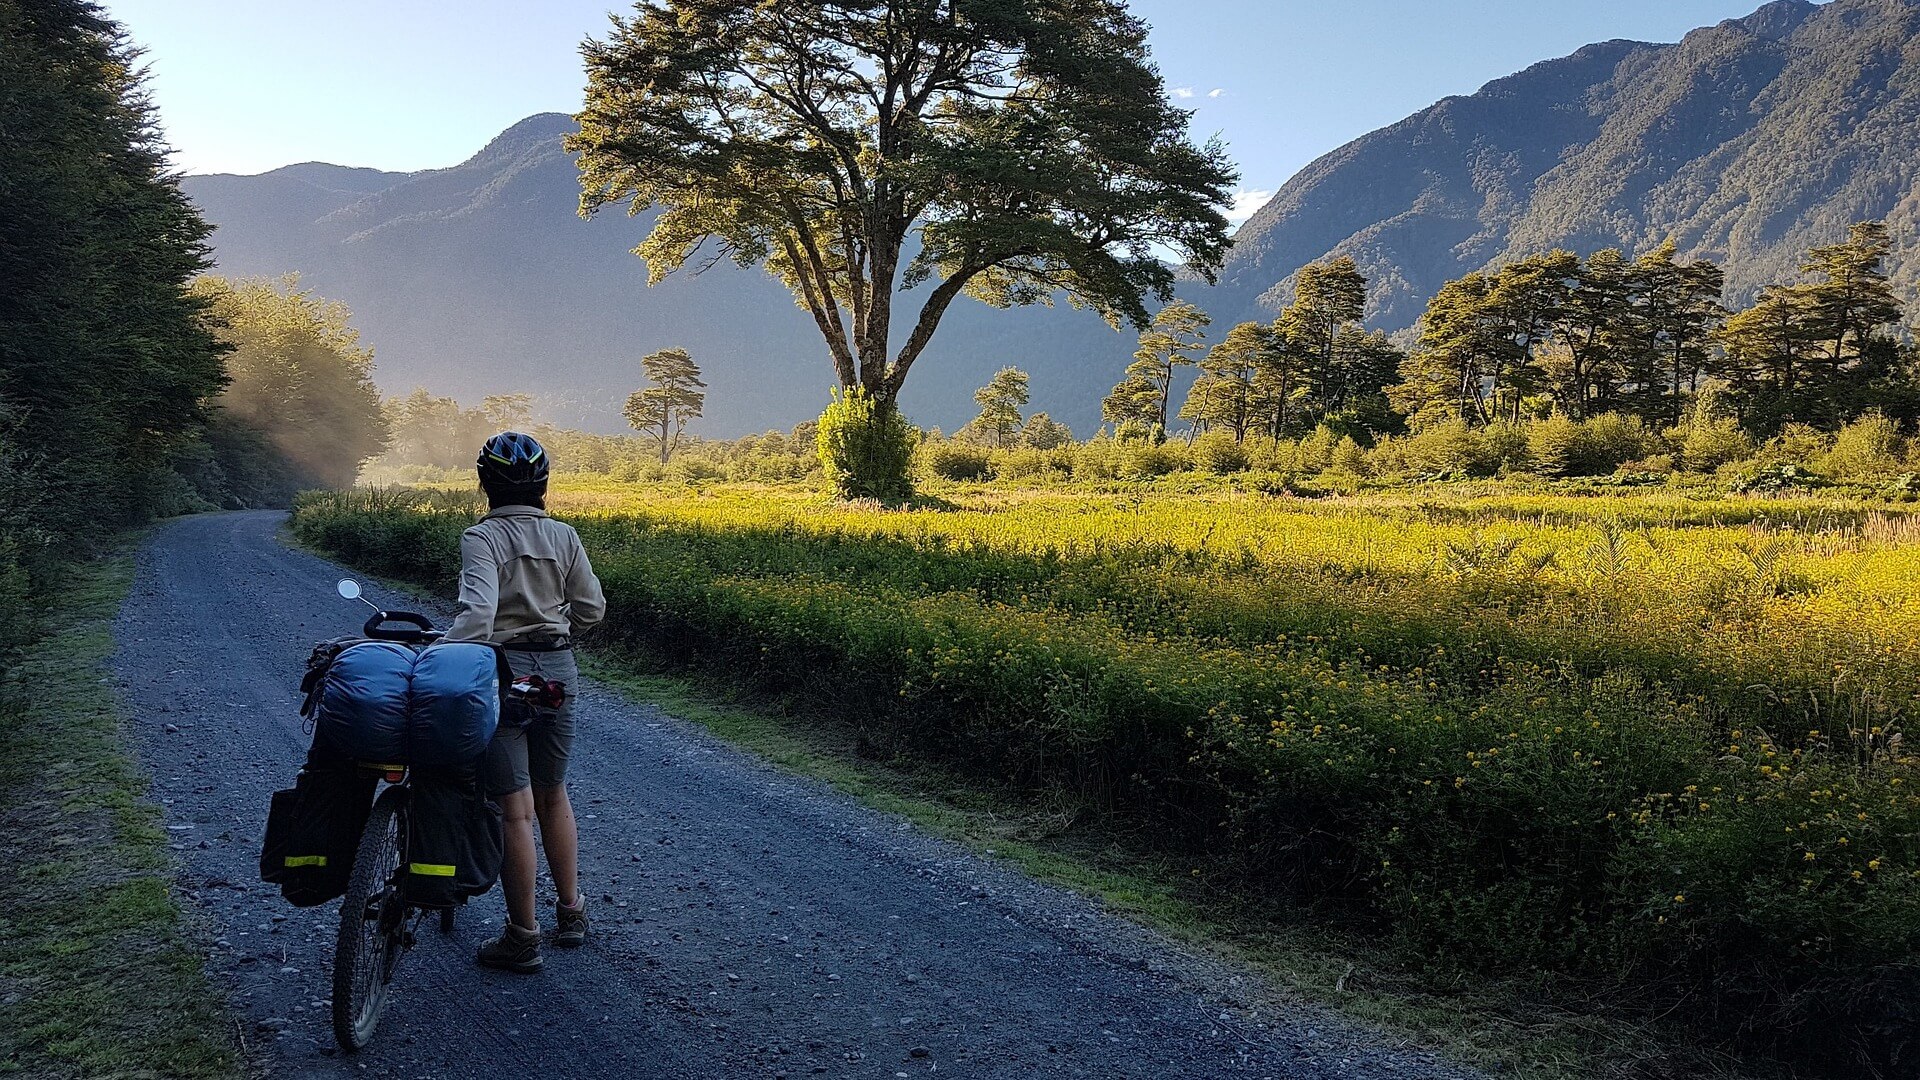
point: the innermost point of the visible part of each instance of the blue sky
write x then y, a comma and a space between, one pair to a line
413, 84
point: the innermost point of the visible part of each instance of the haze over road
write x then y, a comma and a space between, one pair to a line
746, 923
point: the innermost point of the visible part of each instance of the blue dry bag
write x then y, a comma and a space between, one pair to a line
383, 704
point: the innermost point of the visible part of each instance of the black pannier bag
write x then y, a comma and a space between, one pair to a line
454, 840
313, 830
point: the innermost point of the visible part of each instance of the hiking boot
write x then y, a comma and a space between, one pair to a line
570, 923
514, 950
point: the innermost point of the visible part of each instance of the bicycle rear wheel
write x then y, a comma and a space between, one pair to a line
372, 924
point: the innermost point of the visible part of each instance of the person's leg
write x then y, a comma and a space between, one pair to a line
505, 772
561, 837
517, 868
549, 747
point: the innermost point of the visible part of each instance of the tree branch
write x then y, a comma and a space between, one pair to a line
825, 315
930, 315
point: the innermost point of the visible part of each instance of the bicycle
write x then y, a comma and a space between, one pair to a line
377, 923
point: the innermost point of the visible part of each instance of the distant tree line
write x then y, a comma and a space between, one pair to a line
1553, 335
128, 391
439, 433
299, 409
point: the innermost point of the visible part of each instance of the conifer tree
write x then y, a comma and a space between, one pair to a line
1043, 432
1142, 396
107, 364
1000, 401
1327, 298
1463, 350
1806, 351
300, 388
1663, 340
662, 410
1010, 151
1224, 396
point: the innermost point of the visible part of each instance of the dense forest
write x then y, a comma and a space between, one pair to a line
1547, 335
130, 385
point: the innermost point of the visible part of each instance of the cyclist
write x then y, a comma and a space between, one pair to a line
526, 584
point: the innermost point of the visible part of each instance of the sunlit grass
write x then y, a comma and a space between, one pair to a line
1652, 739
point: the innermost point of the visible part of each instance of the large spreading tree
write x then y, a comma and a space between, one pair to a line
1010, 150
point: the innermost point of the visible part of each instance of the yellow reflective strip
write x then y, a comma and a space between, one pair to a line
429, 869
306, 860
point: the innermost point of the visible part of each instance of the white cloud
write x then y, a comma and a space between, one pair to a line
1245, 203
1215, 92
1183, 92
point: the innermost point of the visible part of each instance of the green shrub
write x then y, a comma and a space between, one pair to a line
1709, 438
1444, 448
1027, 463
1556, 445
1099, 458
1147, 460
1867, 449
1316, 450
1708, 444
1388, 457
1218, 452
1652, 465
952, 460
1502, 446
1560, 446
1797, 444
1613, 439
866, 447
1267, 454
1349, 458
695, 470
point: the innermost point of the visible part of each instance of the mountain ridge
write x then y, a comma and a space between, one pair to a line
1744, 142
1747, 141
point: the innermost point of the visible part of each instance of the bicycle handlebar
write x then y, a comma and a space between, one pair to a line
419, 628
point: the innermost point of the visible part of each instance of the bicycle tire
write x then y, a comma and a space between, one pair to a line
371, 933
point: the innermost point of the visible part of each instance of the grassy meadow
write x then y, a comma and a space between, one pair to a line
1648, 741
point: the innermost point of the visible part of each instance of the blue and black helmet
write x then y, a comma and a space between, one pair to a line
512, 458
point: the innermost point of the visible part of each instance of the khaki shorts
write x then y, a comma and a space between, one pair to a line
535, 755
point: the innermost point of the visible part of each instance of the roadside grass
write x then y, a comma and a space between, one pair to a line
99, 976
1507, 1028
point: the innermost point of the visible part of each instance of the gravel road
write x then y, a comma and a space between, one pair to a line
747, 923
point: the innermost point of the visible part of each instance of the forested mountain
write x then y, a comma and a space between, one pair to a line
1748, 143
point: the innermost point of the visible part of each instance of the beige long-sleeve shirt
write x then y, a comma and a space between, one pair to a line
524, 576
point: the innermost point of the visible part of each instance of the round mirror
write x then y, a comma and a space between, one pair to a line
349, 588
